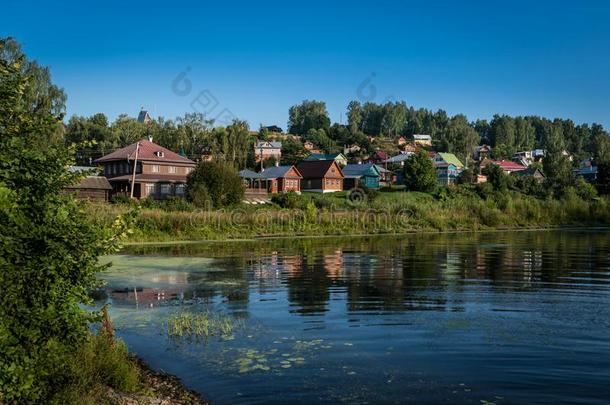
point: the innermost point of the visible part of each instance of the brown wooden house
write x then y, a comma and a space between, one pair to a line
281, 179
324, 176
160, 173
94, 188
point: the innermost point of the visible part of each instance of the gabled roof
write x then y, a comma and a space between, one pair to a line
400, 157
356, 170
144, 116
249, 174
148, 151
276, 172
325, 156
316, 168
379, 155
268, 145
508, 166
92, 183
530, 171
450, 158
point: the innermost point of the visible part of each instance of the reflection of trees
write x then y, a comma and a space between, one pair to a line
415, 272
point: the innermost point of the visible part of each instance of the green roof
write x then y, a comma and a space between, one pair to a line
325, 156
450, 158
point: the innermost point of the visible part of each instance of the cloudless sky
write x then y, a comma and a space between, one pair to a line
255, 59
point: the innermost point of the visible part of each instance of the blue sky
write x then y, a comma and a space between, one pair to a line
256, 59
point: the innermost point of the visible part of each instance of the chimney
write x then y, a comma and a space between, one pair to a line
277, 164
150, 138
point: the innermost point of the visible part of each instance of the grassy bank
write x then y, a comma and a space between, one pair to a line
386, 212
101, 371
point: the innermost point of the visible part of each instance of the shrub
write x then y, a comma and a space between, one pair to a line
289, 200
214, 183
49, 248
419, 173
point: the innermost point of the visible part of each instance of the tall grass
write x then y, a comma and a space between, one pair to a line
203, 324
397, 212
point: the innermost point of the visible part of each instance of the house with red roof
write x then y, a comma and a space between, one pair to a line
159, 172
507, 166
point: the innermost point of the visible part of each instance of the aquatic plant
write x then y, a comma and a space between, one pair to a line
201, 324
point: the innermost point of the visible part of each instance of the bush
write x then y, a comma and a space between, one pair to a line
214, 185
419, 173
289, 200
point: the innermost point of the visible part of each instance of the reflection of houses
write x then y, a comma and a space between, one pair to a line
323, 176
147, 296
160, 173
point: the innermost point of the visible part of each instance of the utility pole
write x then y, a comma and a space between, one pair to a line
135, 165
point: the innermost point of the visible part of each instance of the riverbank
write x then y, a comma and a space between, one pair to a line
156, 388
387, 213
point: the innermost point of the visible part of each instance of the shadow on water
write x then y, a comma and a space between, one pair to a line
498, 317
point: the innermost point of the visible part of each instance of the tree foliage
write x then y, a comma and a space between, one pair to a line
310, 114
214, 185
49, 250
419, 173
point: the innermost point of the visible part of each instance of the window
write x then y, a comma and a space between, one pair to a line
172, 169
155, 168
180, 189
166, 189
159, 153
150, 189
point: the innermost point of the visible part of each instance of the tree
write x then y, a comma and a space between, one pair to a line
354, 116
214, 184
502, 135
40, 95
49, 249
460, 138
496, 177
557, 167
419, 173
310, 114
292, 152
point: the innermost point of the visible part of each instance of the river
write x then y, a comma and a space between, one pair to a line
502, 317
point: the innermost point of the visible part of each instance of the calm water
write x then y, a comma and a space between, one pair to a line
499, 318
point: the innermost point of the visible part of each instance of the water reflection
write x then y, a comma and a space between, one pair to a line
520, 316
376, 274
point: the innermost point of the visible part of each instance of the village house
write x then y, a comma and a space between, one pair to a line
587, 171
410, 147
378, 157
506, 166
422, 140
530, 172
144, 117
93, 187
481, 152
281, 179
401, 141
337, 157
399, 159
264, 150
448, 168
324, 176
361, 175
311, 147
160, 173
354, 148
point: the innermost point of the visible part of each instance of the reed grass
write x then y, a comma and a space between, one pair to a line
397, 212
202, 324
